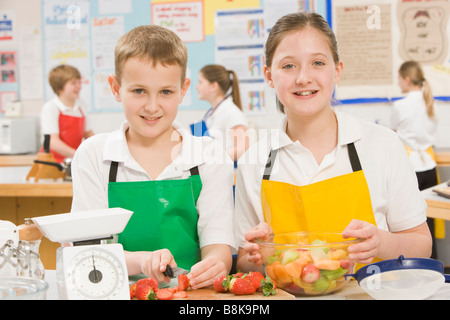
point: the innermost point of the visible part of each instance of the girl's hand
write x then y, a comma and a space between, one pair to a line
153, 264
205, 272
261, 231
365, 251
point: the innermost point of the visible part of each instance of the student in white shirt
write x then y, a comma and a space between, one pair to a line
65, 118
414, 120
324, 171
175, 183
225, 121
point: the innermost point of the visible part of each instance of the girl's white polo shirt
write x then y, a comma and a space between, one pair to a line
90, 175
226, 117
396, 200
415, 128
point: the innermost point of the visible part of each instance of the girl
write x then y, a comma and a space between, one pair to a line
324, 170
414, 120
225, 121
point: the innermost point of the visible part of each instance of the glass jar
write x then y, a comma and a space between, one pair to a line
29, 263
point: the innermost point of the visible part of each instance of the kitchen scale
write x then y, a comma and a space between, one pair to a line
89, 266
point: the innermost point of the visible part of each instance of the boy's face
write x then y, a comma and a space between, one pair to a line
71, 90
150, 95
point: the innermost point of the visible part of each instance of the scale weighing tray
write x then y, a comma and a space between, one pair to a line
84, 225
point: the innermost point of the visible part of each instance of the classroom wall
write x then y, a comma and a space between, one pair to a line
108, 121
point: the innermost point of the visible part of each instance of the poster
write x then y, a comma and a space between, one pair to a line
7, 27
105, 33
30, 68
8, 66
183, 18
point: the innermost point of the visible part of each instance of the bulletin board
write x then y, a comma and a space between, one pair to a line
376, 37
83, 33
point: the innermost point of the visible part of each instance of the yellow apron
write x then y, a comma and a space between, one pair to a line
325, 206
439, 224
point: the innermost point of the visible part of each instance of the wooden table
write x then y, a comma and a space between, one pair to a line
438, 206
20, 199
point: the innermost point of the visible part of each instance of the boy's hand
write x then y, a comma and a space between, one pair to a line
153, 264
205, 272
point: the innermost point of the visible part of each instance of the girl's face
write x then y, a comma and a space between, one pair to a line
404, 84
150, 95
303, 72
206, 90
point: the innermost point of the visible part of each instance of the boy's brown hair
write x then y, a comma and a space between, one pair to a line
151, 42
60, 75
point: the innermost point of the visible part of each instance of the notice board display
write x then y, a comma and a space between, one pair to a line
376, 37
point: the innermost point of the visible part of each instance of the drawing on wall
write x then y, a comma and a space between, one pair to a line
423, 28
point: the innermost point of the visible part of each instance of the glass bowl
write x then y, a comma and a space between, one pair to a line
18, 288
307, 263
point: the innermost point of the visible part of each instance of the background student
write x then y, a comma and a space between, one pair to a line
414, 119
225, 121
64, 117
325, 170
172, 181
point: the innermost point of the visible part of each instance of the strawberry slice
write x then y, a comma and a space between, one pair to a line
164, 294
183, 282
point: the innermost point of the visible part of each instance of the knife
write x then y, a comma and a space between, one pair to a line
173, 272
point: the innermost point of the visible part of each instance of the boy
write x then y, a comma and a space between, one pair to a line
64, 117
178, 186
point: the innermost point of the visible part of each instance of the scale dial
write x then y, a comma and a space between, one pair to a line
96, 273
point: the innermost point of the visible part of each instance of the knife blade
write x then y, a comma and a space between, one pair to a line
173, 272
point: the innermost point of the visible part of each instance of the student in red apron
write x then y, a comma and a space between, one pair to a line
324, 170
178, 186
63, 117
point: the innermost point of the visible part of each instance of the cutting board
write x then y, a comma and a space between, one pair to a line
210, 294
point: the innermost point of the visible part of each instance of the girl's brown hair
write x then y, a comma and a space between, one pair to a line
413, 71
226, 79
294, 22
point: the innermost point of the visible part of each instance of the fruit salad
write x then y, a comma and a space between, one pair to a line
313, 269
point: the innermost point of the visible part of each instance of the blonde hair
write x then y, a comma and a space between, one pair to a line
298, 21
226, 79
154, 43
413, 71
60, 75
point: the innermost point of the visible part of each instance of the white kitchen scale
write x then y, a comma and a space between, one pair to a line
88, 265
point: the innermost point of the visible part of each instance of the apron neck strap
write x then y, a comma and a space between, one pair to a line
114, 166
353, 155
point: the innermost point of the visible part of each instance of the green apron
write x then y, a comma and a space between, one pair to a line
165, 215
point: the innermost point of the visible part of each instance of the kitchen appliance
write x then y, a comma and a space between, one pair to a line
402, 278
45, 167
9, 239
17, 135
88, 265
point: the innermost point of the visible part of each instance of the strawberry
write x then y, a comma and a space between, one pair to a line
145, 292
268, 286
221, 284
180, 294
255, 278
310, 273
240, 286
164, 294
183, 282
174, 289
238, 275
151, 282
132, 290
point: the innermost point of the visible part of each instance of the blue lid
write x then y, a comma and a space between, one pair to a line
401, 263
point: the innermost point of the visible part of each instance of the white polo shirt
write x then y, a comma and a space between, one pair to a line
415, 128
49, 116
226, 117
90, 175
396, 200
